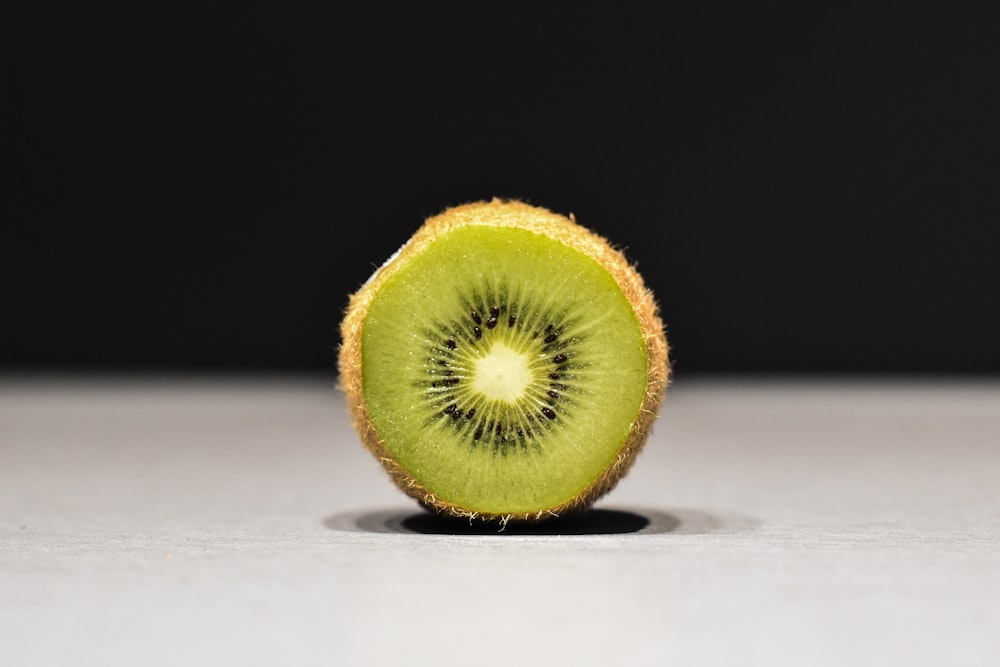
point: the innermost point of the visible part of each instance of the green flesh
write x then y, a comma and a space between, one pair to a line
552, 393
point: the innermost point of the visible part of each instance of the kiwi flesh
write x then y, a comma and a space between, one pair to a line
506, 364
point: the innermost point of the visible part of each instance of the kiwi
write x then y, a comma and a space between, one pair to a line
506, 364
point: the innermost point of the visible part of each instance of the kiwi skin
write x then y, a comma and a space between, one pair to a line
541, 221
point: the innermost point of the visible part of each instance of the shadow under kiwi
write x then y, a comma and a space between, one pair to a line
599, 521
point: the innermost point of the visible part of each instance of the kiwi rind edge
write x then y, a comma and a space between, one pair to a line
506, 213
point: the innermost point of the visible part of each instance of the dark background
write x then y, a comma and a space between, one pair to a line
812, 188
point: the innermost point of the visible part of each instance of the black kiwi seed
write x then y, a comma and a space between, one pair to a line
478, 332
476, 318
549, 413
450, 343
559, 358
511, 320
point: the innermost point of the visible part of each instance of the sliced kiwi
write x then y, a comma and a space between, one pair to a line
505, 364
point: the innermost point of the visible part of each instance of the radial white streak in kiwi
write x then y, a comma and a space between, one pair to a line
502, 374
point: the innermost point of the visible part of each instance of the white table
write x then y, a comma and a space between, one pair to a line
239, 521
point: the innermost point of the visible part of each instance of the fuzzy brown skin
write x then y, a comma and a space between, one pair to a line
510, 214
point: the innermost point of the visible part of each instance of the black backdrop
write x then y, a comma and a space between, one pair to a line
813, 188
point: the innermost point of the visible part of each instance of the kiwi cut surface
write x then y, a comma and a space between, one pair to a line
506, 364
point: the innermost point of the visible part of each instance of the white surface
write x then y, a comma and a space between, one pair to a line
241, 522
